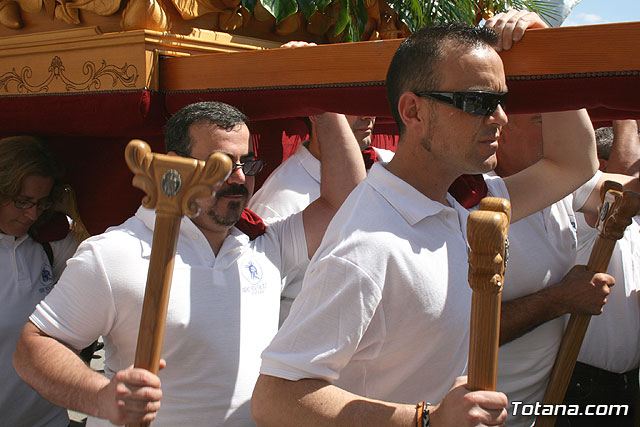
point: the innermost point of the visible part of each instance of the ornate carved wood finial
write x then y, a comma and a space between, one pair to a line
172, 184
486, 233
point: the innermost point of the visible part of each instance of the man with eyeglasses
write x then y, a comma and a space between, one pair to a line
381, 326
225, 293
30, 181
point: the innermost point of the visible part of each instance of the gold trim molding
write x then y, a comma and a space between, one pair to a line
85, 59
125, 77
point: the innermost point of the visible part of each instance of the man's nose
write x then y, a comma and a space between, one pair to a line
32, 213
237, 175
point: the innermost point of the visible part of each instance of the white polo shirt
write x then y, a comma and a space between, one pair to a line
542, 249
290, 188
27, 278
223, 311
613, 338
384, 308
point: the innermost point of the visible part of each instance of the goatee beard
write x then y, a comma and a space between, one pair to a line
236, 209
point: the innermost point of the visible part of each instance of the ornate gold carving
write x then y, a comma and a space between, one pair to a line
66, 13
190, 9
144, 15
10, 14
127, 76
99, 7
63, 10
289, 25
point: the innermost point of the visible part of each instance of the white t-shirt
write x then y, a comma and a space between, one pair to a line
542, 249
384, 308
223, 311
290, 188
612, 341
27, 278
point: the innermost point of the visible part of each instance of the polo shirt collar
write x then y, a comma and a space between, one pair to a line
11, 240
308, 162
231, 247
148, 217
412, 205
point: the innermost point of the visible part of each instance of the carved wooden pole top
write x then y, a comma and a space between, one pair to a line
617, 210
171, 183
486, 233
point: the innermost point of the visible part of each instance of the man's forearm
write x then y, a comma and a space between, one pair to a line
625, 151
57, 373
579, 291
342, 167
569, 145
569, 160
522, 315
629, 183
279, 402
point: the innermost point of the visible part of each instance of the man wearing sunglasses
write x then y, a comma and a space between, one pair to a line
225, 292
30, 181
381, 326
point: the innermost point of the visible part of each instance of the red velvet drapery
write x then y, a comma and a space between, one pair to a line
88, 131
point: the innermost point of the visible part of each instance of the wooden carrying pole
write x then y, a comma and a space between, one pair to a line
486, 233
616, 213
172, 184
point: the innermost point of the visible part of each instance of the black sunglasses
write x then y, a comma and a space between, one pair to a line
249, 168
476, 102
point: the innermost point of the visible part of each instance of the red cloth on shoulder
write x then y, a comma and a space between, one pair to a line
369, 156
468, 190
250, 224
56, 228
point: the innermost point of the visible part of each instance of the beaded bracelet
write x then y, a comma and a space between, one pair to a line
422, 414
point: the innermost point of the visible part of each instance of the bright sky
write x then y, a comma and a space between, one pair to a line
589, 12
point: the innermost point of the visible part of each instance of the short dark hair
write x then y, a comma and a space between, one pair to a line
604, 142
413, 67
23, 156
176, 135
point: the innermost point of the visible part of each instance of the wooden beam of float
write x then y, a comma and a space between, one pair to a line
486, 233
616, 213
544, 52
172, 184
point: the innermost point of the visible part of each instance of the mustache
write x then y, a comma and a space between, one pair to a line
233, 190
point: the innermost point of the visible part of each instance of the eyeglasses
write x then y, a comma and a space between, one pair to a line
24, 204
476, 102
249, 168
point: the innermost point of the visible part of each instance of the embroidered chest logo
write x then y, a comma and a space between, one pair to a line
252, 273
46, 279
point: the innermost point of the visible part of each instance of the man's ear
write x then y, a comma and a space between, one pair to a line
409, 107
